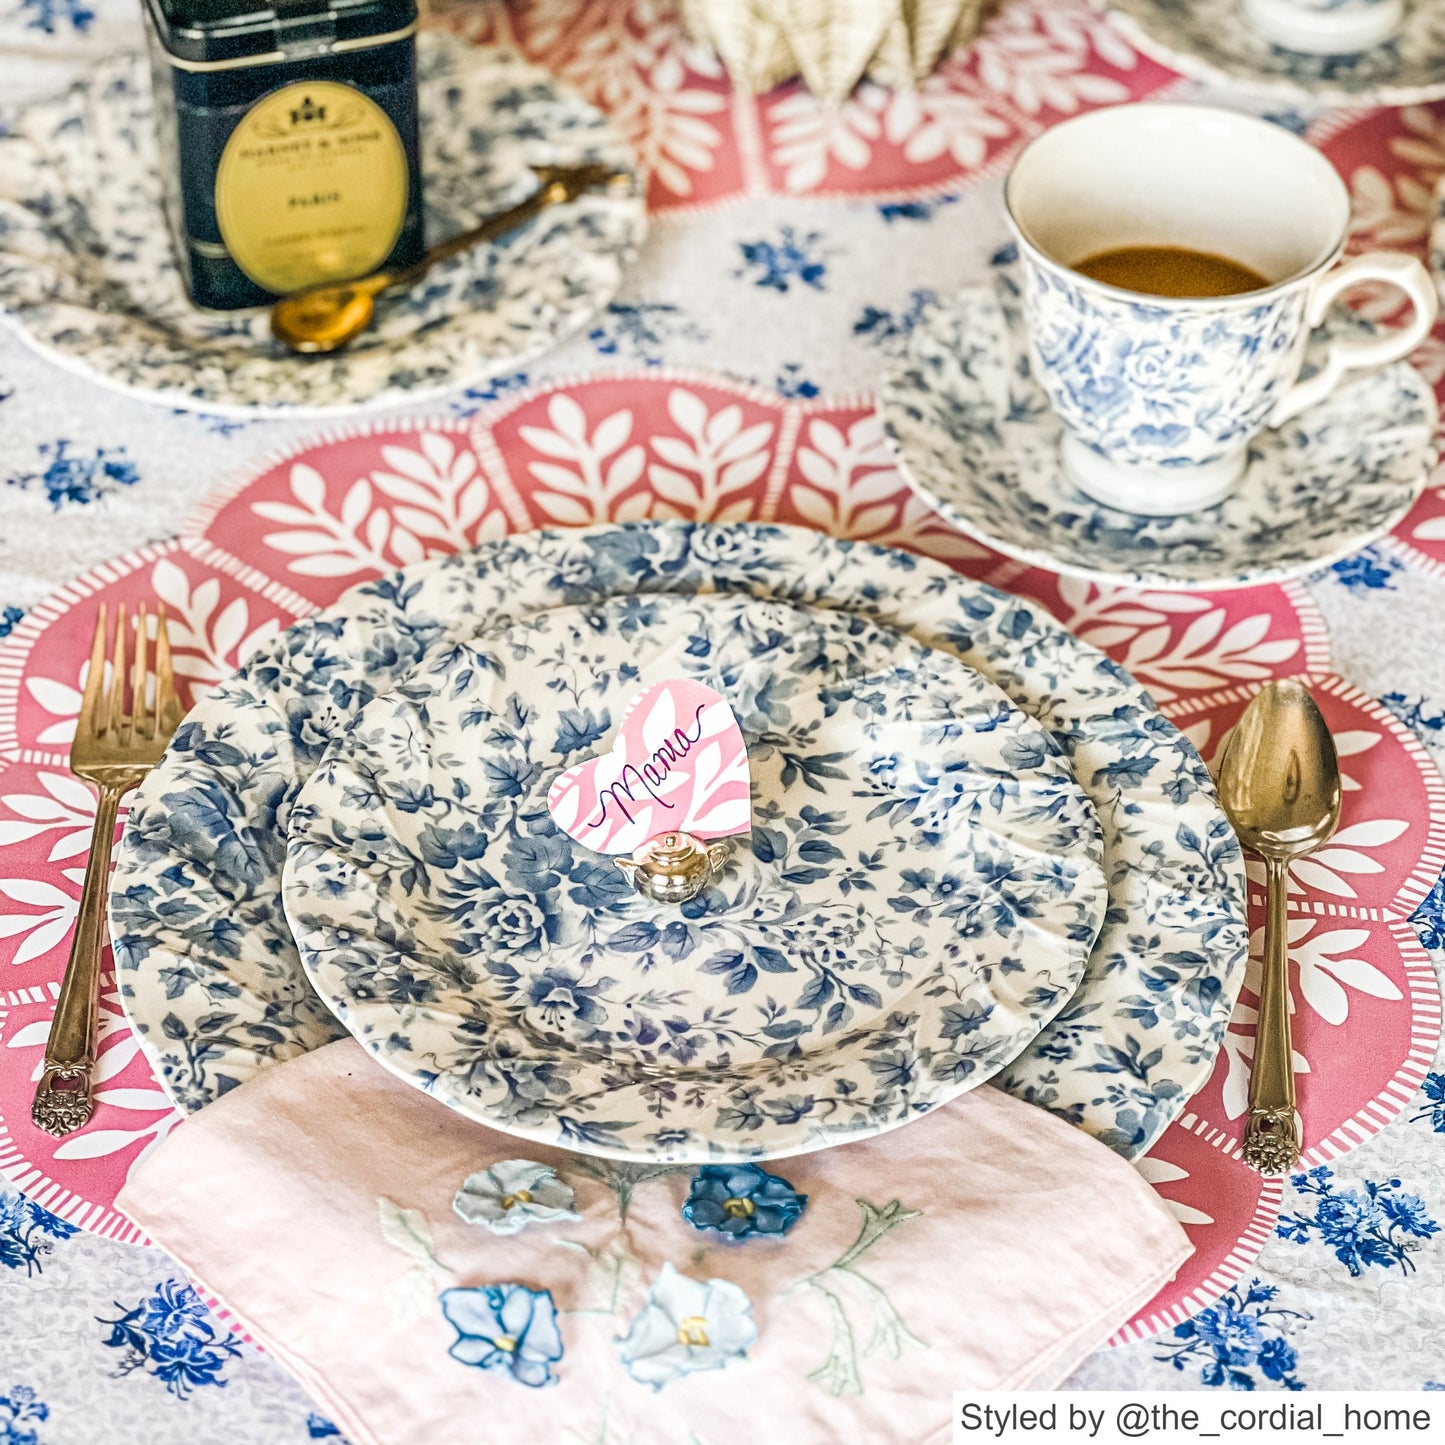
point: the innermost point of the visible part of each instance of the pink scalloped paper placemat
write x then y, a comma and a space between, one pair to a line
703, 144
363, 499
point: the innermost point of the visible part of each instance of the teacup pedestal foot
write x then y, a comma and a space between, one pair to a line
1338, 30
1150, 491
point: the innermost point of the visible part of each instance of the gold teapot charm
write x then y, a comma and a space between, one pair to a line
673, 868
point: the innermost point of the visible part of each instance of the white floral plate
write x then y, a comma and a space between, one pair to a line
209, 972
89, 277
917, 898
1212, 41
977, 440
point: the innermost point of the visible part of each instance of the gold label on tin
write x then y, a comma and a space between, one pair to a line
312, 186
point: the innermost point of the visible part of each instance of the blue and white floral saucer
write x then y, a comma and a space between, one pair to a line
1437, 240
116, 309
977, 440
209, 972
1212, 41
917, 898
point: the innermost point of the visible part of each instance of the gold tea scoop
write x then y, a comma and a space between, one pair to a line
1279, 783
325, 318
673, 868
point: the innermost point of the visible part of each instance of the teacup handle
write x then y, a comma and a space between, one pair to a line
1355, 355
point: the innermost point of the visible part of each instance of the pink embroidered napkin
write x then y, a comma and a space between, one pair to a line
434, 1282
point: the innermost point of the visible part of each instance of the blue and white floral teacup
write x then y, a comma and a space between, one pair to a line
1327, 27
1161, 396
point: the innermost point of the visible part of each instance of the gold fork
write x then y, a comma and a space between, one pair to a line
113, 751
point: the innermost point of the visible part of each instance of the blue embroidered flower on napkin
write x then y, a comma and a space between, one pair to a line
740, 1200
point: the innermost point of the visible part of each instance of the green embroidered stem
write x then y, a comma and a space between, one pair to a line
408, 1231
623, 1179
876, 1224
890, 1334
840, 1373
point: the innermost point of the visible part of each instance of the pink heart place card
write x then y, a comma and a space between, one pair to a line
678, 765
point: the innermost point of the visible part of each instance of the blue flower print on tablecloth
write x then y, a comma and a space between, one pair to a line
791, 383
20, 1412
775, 265
915, 210
507, 1328
1368, 571
687, 1325
75, 478
1429, 917
513, 1194
741, 1200
9, 616
1238, 1341
173, 1336
318, 1427
1434, 1091
28, 1232
1378, 1224
1424, 717
643, 331
52, 16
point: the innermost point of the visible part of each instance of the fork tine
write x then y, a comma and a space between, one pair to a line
116, 716
142, 724
92, 702
165, 678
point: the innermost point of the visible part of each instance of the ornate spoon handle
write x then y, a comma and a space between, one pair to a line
1271, 1137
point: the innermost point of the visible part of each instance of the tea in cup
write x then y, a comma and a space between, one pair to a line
1175, 260
1326, 27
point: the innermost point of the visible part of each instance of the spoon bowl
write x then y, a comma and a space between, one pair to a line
324, 319
1280, 778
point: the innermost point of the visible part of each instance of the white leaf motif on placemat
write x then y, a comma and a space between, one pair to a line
1325, 968
1207, 654
720, 456
46, 928
209, 639
1160, 1171
590, 487
66, 806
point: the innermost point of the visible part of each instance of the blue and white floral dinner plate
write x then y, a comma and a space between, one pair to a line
1212, 41
917, 898
209, 971
116, 310
977, 439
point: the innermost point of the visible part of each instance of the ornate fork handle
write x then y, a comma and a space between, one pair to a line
62, 1098
1271, 1136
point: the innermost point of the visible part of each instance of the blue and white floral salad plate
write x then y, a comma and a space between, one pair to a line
116, 309
1212, 41
212, 980
917, 898
976, 438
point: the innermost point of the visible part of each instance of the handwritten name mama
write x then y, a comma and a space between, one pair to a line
652, 774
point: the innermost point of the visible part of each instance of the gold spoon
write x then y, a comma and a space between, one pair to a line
1279, 783
326, 317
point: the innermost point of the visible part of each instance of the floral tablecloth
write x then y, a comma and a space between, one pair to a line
793, 250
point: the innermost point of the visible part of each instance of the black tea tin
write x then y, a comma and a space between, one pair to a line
288, 137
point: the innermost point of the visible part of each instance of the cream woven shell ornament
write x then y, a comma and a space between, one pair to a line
832, 44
